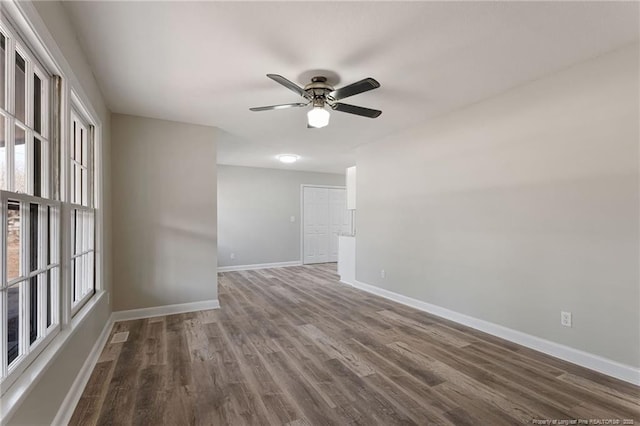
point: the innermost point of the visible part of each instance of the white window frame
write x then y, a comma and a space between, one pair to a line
13, 44
79, 113
24, 17
27, 351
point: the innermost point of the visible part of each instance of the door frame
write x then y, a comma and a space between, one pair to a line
302, 187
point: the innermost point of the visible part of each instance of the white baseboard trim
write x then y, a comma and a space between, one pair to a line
584, 359
75, 392
258, 266
158, 311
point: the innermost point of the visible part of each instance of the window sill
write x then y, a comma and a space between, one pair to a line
17, 392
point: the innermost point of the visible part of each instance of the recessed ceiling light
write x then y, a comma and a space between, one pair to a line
288, 158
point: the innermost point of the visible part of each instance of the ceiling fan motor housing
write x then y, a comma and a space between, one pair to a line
318, 89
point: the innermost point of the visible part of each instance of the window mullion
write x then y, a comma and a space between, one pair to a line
10, 76
56, 274
90, 166
46, 169
3, 102
78, 170
28, 102
54, 120
10, 61
5, 135
66, 285
11, 158
25, 292
22, 329
45, 128
28, 167
3, 289
29, 133
43, 241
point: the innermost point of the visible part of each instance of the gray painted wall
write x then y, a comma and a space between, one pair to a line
41, 405
164, 217
518, 207
254, 210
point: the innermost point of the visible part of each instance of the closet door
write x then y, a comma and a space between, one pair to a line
315, 225
324, 217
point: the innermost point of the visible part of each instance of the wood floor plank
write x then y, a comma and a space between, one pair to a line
377, 404
629, 400
150, 399
293, 346
335, 350
211, 404
484, 370
312, 404
432, 331
310, 359
181, 406
94, 393
418, 411
475, 409
409, 366
118, 404
155, 343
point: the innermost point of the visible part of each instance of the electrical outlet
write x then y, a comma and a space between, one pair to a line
232, 255
292, 219
565, 318
383, 273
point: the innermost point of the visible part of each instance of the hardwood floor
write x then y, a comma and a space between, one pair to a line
293, 346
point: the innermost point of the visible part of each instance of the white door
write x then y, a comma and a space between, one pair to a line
316, 225
324, 216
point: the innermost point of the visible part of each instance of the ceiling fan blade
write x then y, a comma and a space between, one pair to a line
357, 110
289, 85
283, 106
353, 89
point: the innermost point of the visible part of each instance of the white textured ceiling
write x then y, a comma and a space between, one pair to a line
205, 62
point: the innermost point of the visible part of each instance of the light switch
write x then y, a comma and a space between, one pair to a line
292, 219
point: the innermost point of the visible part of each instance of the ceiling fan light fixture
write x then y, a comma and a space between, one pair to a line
319, 93
288, 158
318, 117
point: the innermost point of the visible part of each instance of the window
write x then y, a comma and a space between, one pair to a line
29, 219
49, 148
24, 141
82, 220
30, 283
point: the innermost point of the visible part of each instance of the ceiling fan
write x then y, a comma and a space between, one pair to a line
319, 93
